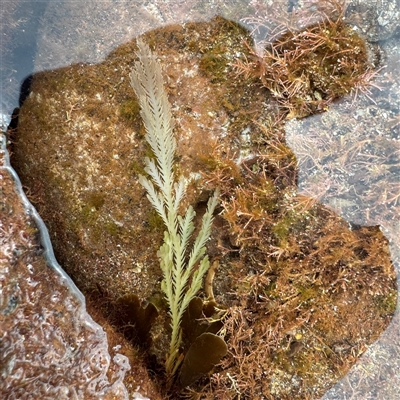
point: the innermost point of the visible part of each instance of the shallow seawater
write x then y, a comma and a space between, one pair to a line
308, 225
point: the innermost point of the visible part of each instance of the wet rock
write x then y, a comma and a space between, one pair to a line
283, 262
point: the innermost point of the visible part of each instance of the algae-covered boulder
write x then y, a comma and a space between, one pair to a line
297, 291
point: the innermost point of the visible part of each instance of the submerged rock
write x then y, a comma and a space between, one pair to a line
287, 270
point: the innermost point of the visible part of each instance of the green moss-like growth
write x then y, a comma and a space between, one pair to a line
136, 167
112, 228
214, 64
216, 60
308, 292
96, 200
290, 222
386, 304
155, 221
88, 214
130, 110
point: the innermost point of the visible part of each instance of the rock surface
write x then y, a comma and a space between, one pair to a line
289, 271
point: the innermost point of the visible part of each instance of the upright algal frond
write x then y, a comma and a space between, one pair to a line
146, 79
182, 280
